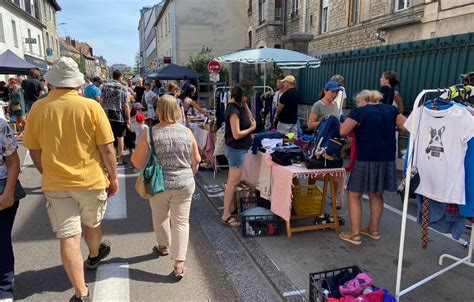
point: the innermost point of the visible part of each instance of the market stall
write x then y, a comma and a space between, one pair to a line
275, 183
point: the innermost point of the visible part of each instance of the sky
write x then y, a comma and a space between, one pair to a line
109, 26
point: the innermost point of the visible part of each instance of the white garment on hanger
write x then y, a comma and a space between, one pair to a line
224, 98
440, 149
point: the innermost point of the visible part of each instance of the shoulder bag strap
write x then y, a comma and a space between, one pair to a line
152, 157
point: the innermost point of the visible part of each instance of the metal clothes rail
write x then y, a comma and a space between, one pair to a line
466, 260
265, 89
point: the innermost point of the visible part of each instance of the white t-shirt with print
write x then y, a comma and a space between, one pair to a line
148, 97
440, 149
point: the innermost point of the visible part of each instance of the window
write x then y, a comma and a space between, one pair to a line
17, 2
278, 10
47, 40
277, 46
15, 36
353, 12
250, 39
166, 25
294, 8
249, 10
29, 42
40, 51
169, 23
401, 4
324, 16
2, 32
261, 11
311, 22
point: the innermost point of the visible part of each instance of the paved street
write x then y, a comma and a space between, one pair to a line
223, 265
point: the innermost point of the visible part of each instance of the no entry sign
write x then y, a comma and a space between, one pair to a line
214, 66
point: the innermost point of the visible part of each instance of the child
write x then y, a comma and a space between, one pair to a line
139, 127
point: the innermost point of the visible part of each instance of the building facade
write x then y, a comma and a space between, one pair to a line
83, 53
147, 36
49, 8
21, 30
184, 28
265, 19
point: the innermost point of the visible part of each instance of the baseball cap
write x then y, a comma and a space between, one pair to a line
96, 79
332, 85
290, 79
138, 106
140, 117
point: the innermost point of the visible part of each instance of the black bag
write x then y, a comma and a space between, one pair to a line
322, 163
287, 157
19, 191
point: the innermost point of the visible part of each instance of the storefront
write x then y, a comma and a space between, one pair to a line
42, 64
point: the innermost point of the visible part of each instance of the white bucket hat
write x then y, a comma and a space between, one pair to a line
64, 73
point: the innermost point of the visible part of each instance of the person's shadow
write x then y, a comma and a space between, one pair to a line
54, 279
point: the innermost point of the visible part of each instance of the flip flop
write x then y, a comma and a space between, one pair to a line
351, 238
231, 222
373, 235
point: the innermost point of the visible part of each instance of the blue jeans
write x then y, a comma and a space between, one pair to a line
7, 260
235, 157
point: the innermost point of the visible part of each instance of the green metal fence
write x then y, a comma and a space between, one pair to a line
422, 64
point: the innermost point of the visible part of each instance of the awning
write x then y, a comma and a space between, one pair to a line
10, 63
174, 72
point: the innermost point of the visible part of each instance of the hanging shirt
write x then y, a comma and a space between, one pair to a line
441, 144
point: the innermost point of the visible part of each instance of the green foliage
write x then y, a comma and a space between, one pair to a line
199, 62
82, 66
138, 63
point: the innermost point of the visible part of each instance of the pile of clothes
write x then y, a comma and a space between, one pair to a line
350, 286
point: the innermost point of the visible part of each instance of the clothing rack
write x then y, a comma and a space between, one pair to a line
466, 260
265, 89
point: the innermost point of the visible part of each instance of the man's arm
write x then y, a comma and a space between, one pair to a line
13, 167
36, 157
107, 153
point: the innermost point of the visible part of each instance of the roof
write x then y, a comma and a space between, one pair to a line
163, 8
67, 46
55, 5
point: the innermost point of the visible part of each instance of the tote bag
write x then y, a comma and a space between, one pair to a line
150, 181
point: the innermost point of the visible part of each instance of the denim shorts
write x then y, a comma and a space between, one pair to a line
235, 157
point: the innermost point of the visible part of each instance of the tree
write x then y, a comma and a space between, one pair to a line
199, 62
138, 63
82, 67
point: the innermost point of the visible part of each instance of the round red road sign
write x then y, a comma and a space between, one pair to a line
214, 66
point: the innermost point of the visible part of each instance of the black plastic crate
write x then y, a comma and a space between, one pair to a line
261, 225
253, 202
315, 290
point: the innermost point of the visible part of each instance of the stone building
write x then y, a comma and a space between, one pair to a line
184, 28
48, 9
340, 25
265, 19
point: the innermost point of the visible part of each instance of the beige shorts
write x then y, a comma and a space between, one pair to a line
66, 210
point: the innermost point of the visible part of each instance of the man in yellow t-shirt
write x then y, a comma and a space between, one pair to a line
71, 142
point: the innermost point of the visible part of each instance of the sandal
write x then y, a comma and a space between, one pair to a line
231, 222
351, 238
179, 272
161, 250
374, 235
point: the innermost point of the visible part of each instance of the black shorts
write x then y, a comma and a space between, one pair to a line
118, 129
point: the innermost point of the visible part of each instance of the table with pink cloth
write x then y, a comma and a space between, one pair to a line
280, 181
205, 141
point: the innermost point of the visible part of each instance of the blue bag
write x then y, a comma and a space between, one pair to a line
152, 174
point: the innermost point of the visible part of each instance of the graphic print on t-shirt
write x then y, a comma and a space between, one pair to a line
435, 146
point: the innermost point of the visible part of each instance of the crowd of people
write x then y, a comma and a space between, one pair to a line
74, 122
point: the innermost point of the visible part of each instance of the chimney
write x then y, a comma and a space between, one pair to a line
73, 43
68, 40
91, 53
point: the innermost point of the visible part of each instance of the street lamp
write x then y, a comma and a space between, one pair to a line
64, 28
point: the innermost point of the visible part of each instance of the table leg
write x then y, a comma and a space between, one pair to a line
334, 201
288, 229
325, 191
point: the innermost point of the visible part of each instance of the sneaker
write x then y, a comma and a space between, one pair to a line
104, 251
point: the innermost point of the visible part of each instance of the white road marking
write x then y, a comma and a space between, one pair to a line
112, 283
27, 161
117, 205
294, 293
413, 218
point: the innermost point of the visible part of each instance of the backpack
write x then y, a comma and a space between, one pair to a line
327, 145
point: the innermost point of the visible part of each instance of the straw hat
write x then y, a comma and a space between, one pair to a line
65, 73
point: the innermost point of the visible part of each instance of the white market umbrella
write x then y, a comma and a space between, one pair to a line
283, 58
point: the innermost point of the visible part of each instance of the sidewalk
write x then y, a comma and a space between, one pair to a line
288, 262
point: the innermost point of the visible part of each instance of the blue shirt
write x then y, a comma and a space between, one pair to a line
91, 92
375, 132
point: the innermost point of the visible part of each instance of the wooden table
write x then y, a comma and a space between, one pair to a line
281, 188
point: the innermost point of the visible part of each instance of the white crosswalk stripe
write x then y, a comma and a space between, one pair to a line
117, 205
112, 283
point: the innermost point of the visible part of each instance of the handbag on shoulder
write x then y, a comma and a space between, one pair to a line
150, 181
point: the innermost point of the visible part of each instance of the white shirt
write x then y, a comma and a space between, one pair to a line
139, 129
440, 148
148, 97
